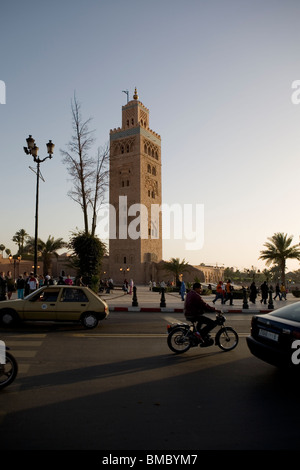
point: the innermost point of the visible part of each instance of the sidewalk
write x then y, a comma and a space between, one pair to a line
149, 301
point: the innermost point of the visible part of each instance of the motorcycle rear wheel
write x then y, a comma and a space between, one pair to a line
178, 341
227, 338
8, 371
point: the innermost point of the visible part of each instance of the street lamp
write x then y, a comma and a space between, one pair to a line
15, 261
33, 150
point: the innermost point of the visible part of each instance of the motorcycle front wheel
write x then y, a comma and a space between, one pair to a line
227, 338
8, 371
178, 341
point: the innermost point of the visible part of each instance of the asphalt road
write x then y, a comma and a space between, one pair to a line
119, 387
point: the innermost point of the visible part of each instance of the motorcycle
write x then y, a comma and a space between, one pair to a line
183, 336
9, 370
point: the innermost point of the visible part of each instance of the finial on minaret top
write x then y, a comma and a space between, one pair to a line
135, 96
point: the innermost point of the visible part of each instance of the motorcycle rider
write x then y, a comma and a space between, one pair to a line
194, 309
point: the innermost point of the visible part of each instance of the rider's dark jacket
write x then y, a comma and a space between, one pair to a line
195, 305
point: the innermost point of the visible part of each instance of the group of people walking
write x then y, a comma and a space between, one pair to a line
265, 290
26, 283
224, 292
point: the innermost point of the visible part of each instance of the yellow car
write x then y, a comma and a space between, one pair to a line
56, 303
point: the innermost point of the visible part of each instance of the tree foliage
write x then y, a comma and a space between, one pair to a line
20, 238
46, 250
278, 250
176, 267
88, 251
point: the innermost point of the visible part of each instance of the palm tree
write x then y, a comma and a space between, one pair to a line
176, 267
46, 250
278, 250
20, 238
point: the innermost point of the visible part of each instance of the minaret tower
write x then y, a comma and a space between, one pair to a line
135, 186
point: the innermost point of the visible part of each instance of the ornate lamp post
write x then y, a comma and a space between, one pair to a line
33, 150
15, 261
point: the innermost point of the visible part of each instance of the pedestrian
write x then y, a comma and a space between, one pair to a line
26, 279
182, 290
130, 286
79, 281
277, 291
264, 292
219, 293
228, 292
2, 286
125, 286
10, 285
20, 287
41, 280
283, 291
33, 283
150, 285
68, 280
253, 292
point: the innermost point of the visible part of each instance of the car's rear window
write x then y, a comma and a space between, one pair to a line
290, 312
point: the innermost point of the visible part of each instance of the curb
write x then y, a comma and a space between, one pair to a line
179, 310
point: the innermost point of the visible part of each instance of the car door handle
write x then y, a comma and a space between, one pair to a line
52, 305
83, 305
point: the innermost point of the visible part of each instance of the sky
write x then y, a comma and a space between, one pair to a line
217, 77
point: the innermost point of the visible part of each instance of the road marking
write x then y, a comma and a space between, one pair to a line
129, 335
17, 343
117, 335
32, 344
19, 353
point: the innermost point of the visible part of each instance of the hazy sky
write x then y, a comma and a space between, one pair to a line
217, 78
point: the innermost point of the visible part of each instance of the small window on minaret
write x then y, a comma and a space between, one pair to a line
132, 121
124, 259
122, 149
128, 122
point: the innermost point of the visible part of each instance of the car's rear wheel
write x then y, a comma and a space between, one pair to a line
89, 320
8, 317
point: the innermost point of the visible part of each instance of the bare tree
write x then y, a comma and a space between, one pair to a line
81, 166
100, 184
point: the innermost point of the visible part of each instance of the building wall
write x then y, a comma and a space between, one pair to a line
59, 265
